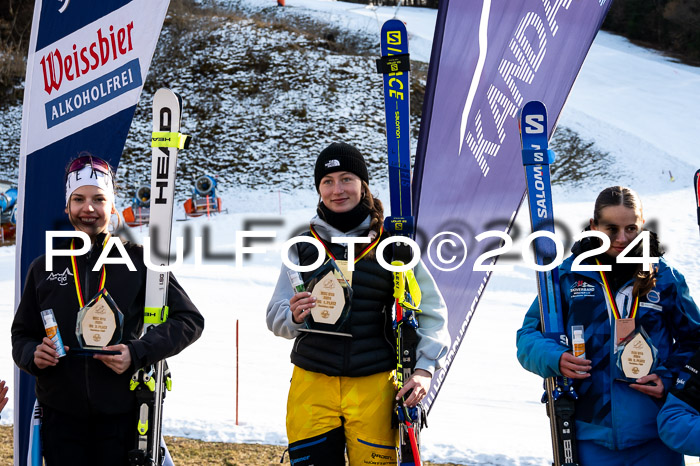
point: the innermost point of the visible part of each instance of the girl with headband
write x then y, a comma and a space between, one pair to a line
89, 412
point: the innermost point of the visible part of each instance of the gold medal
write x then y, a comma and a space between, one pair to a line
347, 274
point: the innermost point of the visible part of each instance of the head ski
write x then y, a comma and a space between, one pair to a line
150, 383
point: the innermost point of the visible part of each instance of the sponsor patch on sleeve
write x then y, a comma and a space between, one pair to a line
653, 306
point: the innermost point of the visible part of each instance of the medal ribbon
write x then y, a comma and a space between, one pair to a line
76, 278
611, 298
362, 254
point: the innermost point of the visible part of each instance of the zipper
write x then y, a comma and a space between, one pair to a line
348, 342
386, 317
86, 292
613, 417
346, 356
611, 357
613, 364
86, 299
298, 340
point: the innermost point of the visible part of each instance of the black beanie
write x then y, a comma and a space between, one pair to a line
340, 157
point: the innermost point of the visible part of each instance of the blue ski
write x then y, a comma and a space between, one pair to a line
559, 394
394, 65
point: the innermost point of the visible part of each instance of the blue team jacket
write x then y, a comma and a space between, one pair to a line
679, 426
608, 411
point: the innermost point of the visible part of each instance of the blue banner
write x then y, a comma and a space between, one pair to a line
489, 57
85, 70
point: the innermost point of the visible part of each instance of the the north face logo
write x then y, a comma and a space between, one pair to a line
333, 163
61, 278
582, 289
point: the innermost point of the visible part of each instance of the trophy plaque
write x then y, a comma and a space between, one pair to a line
636, 357
99, 324
333, 297
330, 300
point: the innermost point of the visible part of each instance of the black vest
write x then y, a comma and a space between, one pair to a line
372, 348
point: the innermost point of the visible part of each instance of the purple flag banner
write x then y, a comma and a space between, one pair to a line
85, 70
489, 57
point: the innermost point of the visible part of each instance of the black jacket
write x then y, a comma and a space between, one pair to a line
372, 346
81, 385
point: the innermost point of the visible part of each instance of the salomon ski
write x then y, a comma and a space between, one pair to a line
395, 66
150, 383
559, 394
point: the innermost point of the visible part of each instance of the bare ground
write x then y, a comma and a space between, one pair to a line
188, 452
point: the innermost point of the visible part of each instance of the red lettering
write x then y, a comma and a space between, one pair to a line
52, 66
104, 47
75, 60
68, 64
93, 54
43, 68
114, 46
85, 60
121, 35
129, 27
81, 60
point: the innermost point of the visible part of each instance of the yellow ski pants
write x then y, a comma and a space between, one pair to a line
362, 406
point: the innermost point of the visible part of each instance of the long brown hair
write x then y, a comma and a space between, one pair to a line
376, 213
613, 196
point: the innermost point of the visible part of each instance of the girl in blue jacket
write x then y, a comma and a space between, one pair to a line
616, 418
